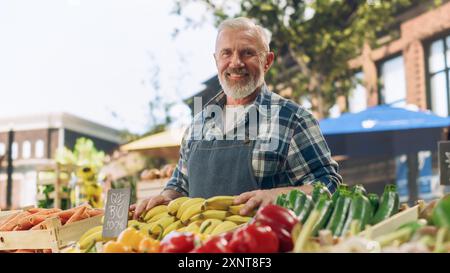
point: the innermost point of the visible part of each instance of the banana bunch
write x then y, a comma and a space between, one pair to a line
197, 215
89, 238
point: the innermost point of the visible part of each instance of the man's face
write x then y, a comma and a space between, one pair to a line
241, 61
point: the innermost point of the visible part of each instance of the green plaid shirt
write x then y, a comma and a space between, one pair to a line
300, 155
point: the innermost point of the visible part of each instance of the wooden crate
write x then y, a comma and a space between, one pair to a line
148, 188
392, 223
54, 237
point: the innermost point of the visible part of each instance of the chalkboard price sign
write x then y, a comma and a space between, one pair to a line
444, 162
116, 212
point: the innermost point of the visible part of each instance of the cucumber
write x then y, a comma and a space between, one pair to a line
281, 200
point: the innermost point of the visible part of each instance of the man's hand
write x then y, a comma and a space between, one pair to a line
163, 199
260, 198
147, 204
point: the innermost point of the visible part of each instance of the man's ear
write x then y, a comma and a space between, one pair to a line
215, 59
269, 61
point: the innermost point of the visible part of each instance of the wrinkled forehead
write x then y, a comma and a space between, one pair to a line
238, 38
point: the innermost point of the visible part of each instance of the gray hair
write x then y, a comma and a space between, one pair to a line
242, 23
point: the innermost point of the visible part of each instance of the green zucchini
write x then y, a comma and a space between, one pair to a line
360, 210
306, 210
340, 212
374, 201
325, 207
358, 188
320, 190
389, 204
281, 200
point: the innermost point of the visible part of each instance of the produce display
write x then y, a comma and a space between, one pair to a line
202, 217
347, 210
430, 233
272, 225
165, 172
34, 219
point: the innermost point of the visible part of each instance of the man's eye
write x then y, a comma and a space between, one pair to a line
248, 53
225, 54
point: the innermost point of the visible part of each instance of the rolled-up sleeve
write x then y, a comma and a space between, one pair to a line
309, 158
179, 179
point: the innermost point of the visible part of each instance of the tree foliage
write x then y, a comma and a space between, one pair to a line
313, 40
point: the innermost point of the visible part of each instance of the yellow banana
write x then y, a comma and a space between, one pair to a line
215, 214
175, 204
238, 219
174, 226
91, 239
154, 211
209, 225
187, 204
145, 228
159, 226
194, 227
158, 216
218, 202
89, 232
237, 208
224, 227
191, 211
182, 229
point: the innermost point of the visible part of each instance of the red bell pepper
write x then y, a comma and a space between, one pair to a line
216, 244
178, 243
254, 238
281, 220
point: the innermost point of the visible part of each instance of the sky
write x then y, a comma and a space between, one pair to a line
93, 58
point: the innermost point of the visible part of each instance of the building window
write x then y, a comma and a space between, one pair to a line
2, 149
393, 83
26, 149
357, 99
14, 150
39, 149
439, 76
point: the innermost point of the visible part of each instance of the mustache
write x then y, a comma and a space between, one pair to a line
237, 71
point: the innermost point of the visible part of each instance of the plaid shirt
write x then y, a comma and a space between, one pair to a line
301, 156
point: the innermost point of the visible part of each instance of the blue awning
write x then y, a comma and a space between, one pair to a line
382, 118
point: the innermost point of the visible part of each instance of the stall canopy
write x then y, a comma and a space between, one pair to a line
383, 130
164, 144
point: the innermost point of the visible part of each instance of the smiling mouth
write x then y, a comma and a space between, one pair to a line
235, 76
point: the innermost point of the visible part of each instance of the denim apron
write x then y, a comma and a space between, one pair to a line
221, 167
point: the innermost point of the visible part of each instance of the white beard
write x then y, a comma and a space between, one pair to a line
239, 91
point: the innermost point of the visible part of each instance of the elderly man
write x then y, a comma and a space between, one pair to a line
288, 151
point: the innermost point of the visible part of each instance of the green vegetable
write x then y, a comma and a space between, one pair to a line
320, 190
299, 202
281, 200
325, 207
337, 193
374, 201
306, 209
389, 204
441, 212
360, 211
340, 212
292, 199
359, 189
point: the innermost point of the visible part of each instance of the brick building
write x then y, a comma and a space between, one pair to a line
36, 139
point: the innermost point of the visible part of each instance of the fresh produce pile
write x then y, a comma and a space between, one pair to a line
268, 232
346, 211
204, 217
165, 172
430, 233
33, 219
